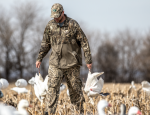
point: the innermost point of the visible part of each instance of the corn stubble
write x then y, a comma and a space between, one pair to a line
119, 94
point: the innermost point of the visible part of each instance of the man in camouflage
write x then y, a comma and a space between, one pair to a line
66, 39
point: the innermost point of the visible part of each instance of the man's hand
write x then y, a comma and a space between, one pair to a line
89, 66
38, 64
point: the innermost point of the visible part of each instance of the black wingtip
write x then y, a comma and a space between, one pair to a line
104, 94
1, 94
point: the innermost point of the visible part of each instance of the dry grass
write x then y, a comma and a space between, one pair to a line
119, 93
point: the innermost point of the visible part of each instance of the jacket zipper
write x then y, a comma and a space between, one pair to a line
60, 31
60, 48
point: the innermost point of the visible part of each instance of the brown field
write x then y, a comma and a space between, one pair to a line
119, 93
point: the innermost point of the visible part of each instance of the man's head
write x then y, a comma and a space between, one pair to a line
56, 10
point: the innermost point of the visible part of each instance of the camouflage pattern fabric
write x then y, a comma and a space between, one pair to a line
56, 10
66, 43
74, 84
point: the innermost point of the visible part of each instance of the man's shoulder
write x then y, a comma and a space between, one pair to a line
51, 22
72, 22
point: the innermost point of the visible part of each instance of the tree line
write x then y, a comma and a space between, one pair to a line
123, 57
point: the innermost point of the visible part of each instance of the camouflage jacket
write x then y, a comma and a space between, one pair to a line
66, 43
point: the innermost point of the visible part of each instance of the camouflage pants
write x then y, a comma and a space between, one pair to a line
74, 84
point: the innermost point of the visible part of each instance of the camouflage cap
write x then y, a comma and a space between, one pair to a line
56, 10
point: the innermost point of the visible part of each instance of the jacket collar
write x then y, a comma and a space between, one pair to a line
66, 22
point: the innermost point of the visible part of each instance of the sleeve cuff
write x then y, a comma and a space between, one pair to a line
40, 60
89, 62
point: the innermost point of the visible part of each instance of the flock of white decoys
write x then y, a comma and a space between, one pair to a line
10, 110
102, 104
92, 88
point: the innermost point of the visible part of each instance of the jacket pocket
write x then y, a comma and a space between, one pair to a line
53, 60
75, 55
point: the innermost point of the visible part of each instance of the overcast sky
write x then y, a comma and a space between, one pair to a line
104, 15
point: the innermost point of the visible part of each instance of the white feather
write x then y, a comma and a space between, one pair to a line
40, 86
32, 81
93, 86
101, 106
19, 90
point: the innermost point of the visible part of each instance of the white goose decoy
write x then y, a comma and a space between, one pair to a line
23, 104
5, 110
93, 86
122, 109
33, 83
145, 86
40, 86
132, 85
4, 83
10, 110
19, 90
21, 83
134, 110
101, 106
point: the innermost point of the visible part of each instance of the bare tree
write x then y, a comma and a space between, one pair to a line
145, 57
93, 38
36, 43
107, 60
6, 43
129, 45
25, 16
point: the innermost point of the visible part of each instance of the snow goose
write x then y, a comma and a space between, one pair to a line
134, 110
40, 86
4, 83
145, 86
93, 86
122, 109
132, 85
23, 104
19, 90
10, 110
33, 83
21, 83
101, 106
5, 110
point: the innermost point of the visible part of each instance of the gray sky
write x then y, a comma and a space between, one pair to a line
104, 15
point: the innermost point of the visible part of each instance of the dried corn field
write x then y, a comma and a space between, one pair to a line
119, 93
